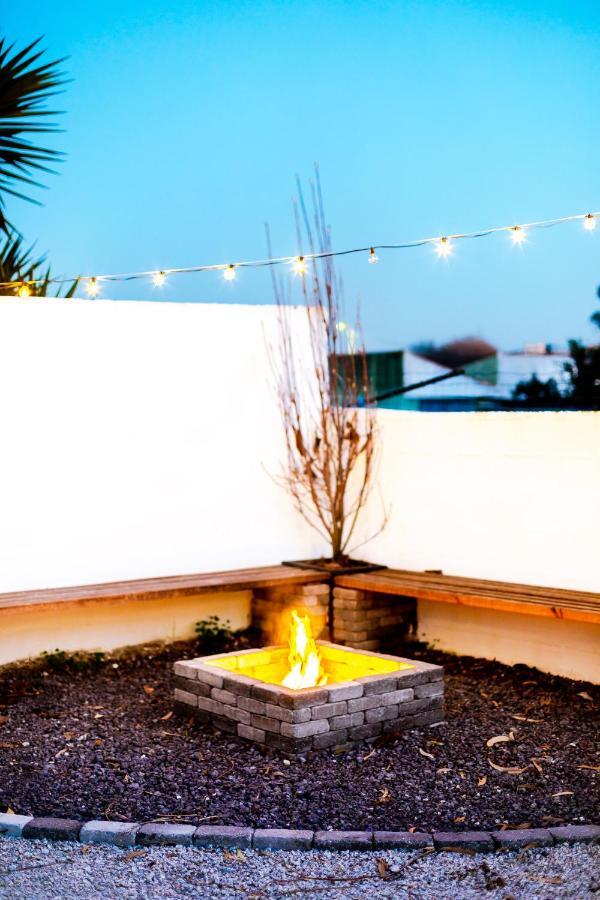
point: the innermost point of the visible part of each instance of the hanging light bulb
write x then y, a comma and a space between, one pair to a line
159, 278
443, 248
589, 222
518, 235
299, 266
229, 273
92, 287
373, 258
24, 290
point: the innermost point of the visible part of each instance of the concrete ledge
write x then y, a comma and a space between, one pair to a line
572, 834
12, 825
120, 834
164, 835
126, 834
223, 836
516, 839
479, 841
52, 829
402, 840
343, 840
282, 839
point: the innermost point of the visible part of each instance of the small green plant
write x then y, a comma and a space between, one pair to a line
61, 661
213, 635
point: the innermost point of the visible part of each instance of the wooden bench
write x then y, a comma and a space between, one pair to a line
170, 586
558, 603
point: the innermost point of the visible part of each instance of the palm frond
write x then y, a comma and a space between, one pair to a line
26, 85
19, 266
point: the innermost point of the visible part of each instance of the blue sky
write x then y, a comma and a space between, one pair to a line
187, 123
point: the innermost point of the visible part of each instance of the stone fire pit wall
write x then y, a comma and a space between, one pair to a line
316, 718
271, 608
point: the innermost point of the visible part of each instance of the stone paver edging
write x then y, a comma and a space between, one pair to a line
152, 834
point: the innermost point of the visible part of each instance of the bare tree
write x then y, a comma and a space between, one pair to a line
330, 438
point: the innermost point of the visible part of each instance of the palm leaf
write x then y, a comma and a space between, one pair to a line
26, 85
19, 265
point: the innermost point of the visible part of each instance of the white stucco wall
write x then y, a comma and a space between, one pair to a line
137, 440
507, 496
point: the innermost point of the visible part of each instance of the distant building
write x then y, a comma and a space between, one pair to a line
401, 379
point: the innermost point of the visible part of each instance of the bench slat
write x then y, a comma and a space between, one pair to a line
559, 603
174, 585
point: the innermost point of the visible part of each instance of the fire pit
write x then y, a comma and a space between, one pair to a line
310, 695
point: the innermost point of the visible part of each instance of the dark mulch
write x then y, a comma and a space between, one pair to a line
103, 744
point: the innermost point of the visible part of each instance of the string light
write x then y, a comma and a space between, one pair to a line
299, 266
443, 247
24, 291
518, 234
92, 287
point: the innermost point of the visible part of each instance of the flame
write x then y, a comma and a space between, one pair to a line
306, 669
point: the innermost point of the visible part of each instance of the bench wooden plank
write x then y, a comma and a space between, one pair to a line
558, 603
173, 586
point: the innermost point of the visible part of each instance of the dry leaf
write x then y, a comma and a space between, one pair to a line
98, 716
167, 717
98, 742
525, 719
384, 797
3, 720
148, 689
499, 739
547, 879
442, 771
585, 696
537, 765
86, 848
60, 752
463, 850
412, 828
383, 868
134, 854
368, 756
459, 820
510, 770
69, 735
237, 856
425, 753
10, 811
481, 781
564, 794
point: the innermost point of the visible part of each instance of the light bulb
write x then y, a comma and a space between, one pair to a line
373, 258
24, 291
299, 265
92, 288
589, 223
443, 247
159, 279
518, 234
229, 273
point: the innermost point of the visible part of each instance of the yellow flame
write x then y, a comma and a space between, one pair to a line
306, 669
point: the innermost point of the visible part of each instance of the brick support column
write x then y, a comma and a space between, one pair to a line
371, 621
271, 608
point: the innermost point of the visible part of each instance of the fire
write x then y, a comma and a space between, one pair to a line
306, 669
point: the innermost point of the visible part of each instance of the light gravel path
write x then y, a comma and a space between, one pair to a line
39, 870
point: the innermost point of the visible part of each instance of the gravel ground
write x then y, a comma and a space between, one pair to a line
103, 743
40, 870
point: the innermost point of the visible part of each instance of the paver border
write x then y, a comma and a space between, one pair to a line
128, 834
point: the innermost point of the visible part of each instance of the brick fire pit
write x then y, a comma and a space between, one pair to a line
364, 695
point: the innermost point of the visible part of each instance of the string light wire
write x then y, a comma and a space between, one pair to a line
588, 220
